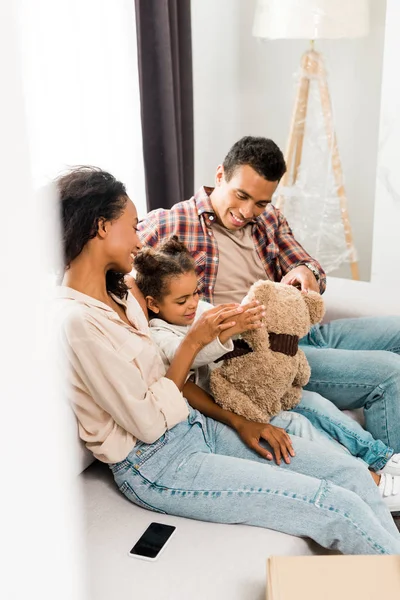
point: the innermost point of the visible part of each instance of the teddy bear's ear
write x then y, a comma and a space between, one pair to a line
261, 291
315, 305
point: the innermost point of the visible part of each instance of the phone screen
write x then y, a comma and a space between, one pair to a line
153, 539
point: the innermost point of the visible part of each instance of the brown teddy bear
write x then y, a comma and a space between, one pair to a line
267, 371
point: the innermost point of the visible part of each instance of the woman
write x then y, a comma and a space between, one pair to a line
164, 454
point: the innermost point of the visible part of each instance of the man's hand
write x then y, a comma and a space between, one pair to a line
302, 277
277, 438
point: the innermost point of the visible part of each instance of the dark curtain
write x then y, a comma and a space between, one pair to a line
166, 89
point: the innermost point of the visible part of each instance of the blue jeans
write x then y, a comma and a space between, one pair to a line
323, 422
355, 363
201, 469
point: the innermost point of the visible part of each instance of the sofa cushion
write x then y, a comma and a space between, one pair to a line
203, 560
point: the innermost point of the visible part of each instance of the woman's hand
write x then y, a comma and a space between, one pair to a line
250, 318
212, 323
277, 438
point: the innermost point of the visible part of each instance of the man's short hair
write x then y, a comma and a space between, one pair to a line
261, 154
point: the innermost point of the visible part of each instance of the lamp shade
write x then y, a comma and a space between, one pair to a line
311, 19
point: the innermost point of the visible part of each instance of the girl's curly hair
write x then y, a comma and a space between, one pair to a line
155, 267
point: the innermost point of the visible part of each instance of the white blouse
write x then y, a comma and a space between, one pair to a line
116, 376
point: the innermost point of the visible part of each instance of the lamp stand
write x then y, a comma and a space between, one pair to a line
312, 67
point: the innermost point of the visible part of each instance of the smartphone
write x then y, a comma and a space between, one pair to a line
150, 545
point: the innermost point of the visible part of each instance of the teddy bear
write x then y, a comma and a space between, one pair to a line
267, 370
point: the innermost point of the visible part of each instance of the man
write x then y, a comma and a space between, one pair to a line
237, 236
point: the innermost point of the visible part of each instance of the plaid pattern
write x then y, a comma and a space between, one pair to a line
192, 222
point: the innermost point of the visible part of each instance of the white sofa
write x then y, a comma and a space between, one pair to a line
203, 560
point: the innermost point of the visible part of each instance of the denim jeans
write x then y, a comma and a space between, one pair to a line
323, 422
201, 469
355, 363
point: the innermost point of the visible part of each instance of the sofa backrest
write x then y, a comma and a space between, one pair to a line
82, 457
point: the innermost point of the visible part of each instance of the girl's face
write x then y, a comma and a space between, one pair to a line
121, 239
179, 304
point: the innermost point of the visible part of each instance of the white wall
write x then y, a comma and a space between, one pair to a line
82, 90
386, 246
244, 86
40, 554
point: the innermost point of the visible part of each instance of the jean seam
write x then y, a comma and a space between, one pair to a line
125, 486
335, 384
321, 494
117, 467
394, 349
384, 410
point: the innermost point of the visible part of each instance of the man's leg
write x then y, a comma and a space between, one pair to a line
354, 363
368, 333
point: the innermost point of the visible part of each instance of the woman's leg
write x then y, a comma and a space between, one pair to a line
326, 417
319, 461
182, 475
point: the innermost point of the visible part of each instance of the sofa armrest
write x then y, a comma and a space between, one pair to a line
347, 298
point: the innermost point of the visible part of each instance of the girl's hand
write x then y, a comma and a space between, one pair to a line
250, 318
277, 438
212, 323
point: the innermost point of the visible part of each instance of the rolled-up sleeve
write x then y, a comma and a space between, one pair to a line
117, 386
169, 341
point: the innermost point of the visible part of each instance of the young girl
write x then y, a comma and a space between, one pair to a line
168, 281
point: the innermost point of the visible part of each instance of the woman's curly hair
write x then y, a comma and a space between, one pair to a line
88, 194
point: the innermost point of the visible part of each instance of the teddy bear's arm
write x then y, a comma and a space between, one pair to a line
304, 372
291, 398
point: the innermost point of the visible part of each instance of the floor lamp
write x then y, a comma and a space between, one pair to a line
312, 20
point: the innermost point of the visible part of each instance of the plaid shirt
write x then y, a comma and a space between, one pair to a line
192, 222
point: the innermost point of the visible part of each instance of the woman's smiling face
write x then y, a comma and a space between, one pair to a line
121, 241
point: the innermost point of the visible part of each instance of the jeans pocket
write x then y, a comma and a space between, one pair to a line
129, 493
142, 452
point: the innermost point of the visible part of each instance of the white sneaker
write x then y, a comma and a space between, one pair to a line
392, 466
389, 488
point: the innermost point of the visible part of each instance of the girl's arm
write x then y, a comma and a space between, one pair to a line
169, 340
209, 325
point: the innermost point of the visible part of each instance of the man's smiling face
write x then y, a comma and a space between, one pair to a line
244, 197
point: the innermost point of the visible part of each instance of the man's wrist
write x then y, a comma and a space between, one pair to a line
313, 270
